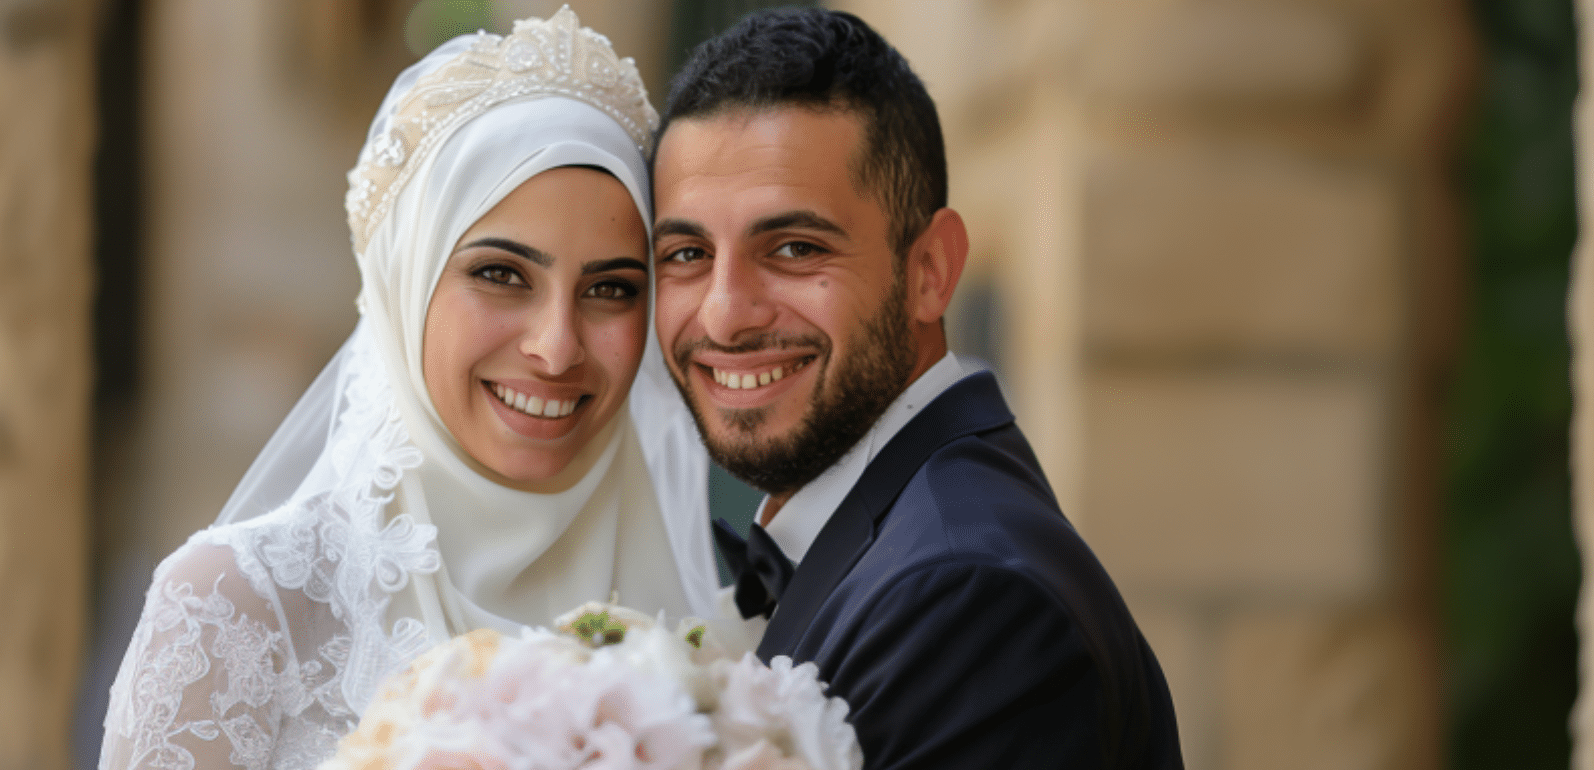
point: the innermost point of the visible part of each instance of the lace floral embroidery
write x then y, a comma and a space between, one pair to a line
250, 653
280, 690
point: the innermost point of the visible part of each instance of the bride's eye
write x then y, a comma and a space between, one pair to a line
611, 290
499, 274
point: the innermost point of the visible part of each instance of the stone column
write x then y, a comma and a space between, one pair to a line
1222, 251
1581, 327
46, 148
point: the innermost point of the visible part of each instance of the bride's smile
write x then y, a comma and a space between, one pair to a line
538, 321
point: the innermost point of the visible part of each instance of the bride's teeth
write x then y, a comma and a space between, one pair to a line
534, 405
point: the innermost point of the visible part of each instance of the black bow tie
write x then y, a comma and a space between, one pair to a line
762, 572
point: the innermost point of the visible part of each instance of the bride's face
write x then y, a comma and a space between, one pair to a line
537, 324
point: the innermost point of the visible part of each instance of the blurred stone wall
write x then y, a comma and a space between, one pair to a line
46, 149
1221, 248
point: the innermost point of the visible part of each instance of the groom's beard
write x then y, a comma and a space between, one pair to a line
842, 408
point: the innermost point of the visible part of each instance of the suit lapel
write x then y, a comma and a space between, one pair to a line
973, 405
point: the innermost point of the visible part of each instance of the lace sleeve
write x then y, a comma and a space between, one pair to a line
205, 680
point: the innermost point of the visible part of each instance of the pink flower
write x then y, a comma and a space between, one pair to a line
455, 760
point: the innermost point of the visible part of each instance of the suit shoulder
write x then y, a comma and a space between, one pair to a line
980, 499
983, 500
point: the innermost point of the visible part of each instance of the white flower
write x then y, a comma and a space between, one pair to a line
785, 707
550, 701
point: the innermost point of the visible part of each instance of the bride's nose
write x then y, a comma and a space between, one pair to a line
552, 338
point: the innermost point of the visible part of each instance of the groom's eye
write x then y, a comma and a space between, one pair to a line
798, 250
688, 254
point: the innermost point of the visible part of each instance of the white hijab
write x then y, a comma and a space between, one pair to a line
509, 557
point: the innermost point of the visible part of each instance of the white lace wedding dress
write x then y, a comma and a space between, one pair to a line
262, 640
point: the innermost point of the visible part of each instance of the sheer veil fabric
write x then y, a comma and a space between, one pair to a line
362, 533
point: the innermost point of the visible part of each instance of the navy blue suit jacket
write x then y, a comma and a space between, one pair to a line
962, 618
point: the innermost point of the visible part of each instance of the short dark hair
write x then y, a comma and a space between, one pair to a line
828, 60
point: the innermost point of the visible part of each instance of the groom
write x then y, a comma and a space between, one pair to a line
805, 256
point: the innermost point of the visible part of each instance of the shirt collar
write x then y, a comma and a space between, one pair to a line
798, 522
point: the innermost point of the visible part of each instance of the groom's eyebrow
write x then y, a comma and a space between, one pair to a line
684, 227
801, 220
517, 248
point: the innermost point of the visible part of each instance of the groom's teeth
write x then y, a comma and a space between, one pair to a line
736, 381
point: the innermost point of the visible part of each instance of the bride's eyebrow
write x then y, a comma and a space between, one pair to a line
517, 248
618, 263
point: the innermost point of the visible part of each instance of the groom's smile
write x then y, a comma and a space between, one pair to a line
780, 304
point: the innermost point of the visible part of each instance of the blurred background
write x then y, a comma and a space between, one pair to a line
1276, 287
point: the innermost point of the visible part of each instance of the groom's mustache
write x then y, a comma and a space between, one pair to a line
754, 344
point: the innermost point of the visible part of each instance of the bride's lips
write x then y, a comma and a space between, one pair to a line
533, 409
751, 380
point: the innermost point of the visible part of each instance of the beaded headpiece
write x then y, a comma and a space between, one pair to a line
553, 57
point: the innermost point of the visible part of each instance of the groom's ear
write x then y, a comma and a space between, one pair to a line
934, 264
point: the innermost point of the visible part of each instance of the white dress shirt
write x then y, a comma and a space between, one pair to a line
798, 522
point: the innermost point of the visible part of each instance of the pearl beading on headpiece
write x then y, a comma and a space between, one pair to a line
553, 57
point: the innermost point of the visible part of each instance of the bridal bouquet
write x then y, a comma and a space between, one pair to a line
610, 689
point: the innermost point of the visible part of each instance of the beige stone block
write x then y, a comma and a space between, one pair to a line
46, 148
1240, 253
1318, 689
1248, 54
1582, 328
1220, 483
966, 51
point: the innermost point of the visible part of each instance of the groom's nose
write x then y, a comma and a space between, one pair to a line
737, 300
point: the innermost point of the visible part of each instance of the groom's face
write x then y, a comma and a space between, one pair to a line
780, 304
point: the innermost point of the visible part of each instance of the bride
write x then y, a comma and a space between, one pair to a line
470, 458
